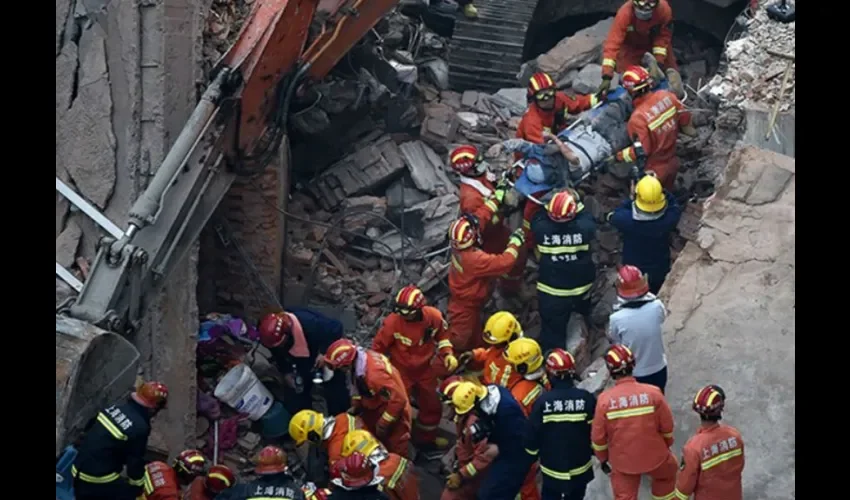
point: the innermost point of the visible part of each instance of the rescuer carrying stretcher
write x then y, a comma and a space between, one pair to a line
415, 338
380, 397
116, 438
471, 279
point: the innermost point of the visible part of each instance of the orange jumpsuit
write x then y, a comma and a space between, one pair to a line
471, 284
473, 459
411, 347
160, 482
712, 464
630, 38
526, 393
656, 121
400, 481
494, 368
633, 430
474, 194
343, 424
198, 490
381, 394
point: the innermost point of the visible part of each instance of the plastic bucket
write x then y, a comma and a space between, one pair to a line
242, 390
275, 423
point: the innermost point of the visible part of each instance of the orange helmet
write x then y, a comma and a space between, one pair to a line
465, 160
560, 362
191, 462
463, 234
636, 79
270, 460
341, 354
219, 478
709, 401
619, 359
562, 207
274, 328
354, 471
152, 395
541, 86
448, 386
409, 300
631, 283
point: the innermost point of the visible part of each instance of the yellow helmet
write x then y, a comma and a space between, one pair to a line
359, 440
525, 355
303, 423
649, 195
466, 395
502, 327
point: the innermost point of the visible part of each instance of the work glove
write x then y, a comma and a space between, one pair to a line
450, 363
604, 87
619, 156
382, 431
498, 195
517, 238
688, 130
464, 357
453, 481
605, 467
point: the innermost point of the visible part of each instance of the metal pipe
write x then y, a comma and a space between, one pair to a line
69, 278
147, 205
215, 442
88, 209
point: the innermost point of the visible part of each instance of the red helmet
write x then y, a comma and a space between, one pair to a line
619, 359
409, 299
541, 86
562, 207
191, 462
636, 79
559, 362
270, 460
631, 283
710, 401
219, 478
273, 329
465, 159
448, 386
152, 395
341, 354
463, 234
355, 470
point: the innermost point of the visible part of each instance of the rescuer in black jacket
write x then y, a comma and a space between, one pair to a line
117, 437
355, 477
274, 481
558, 432
563, 233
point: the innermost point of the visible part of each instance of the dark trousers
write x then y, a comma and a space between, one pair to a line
555, 316
335, 391
505, 477
576, 492
119, 489
656, 279
658, 379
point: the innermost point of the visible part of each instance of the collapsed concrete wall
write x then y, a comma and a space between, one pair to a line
125, 83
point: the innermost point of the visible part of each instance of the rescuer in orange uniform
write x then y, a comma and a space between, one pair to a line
481, 196
162, 482
655, 124
379, 392
473, 455
399, 479
490, 363
640, 26
218, 479
713, 459
415, 337
526, 358
471, 278
312, 426
633, 430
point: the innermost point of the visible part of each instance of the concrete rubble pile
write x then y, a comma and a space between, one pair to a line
753, 76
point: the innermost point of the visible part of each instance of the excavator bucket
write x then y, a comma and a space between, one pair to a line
94, 368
